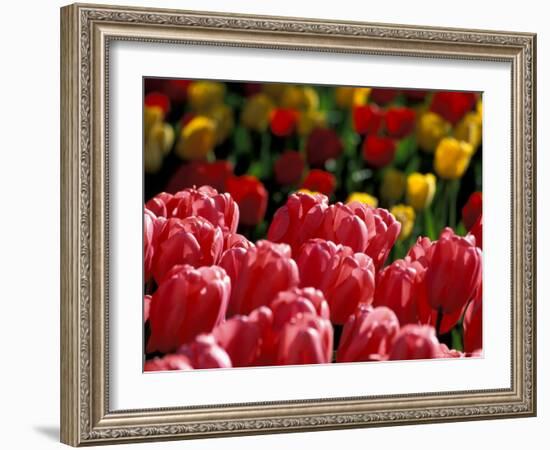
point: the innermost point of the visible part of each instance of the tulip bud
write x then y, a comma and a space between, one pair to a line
283, 121
420, 190
203, 95
378, 151
323, 144
347, 97
345, 278
383, 96
452, 158
415, 342
367, 119
363, 197
258, 275
197, 139
205, 353
251, 196
189, 302
400, 121
454, 272
452, 105
368, 335
256, 112
289, 168
406, 217
472, 210
319, 181
430, 130
298, 220
469, 129
393, 185
222, 116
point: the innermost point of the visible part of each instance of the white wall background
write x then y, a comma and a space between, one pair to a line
29, 222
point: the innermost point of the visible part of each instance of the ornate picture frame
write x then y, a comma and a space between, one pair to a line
87, 32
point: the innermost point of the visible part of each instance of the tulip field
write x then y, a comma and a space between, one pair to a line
290, 224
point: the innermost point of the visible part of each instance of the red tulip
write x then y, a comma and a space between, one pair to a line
251, 196
477, 232
189, 302
258, 274
242, 336
286, 306
168, 362
454, 272
306, 339
289, 168
200, 173
205, 353
367, 119
400, 121
346, 278
283, 121
386, 232
415, 342
368, 335
146, 307
219, 209
298, 220
233, 240
472, 210
318, 180
342, 226
193, 241
400, 286
378, 151
473, 324
156, 99
382, 96
323, 144
452, 106
420, 250
158, 204
148, 243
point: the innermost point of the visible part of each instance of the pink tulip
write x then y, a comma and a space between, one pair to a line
368, 335
473, 324
258, 274
400, 287
146, 307
346, 278
386, 232
188, 302
306, 339
298, 220
342, 226
419, 251
205, 353
232, 240
168, 362
148, 243
288, 304
158, 204
242, 337
454, 272
193, 241
446, 352
415, 342
477, 231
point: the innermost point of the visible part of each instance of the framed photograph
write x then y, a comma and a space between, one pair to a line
276, 225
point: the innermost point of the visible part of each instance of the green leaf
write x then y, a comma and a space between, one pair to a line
405, 149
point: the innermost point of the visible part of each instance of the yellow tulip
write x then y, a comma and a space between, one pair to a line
393, 185
311, 99
309, 120
420, 190
406, 216
452, 158
363, 197
274, 90
203, 95
346, 97
292, 97
256, 112
469, 129
431, 129
479, 108
197, 138
158, 141
222, 115
151, 116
